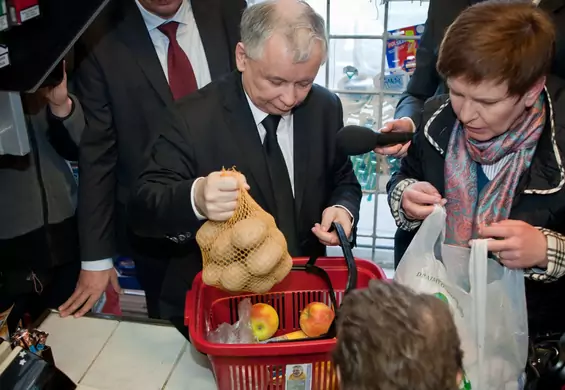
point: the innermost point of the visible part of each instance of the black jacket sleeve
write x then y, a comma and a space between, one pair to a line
160, 204
64, 133
425, 80
410, 166
98, 157
347, 190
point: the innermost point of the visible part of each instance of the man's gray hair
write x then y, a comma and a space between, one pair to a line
302, 28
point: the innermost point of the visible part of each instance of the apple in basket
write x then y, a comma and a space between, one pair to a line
316, 318
264, 321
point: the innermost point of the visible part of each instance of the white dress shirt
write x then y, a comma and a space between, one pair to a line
189, 40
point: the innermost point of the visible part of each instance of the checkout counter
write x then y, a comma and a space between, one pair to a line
100, 352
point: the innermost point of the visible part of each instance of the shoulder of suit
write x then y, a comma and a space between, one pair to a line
105, 26
319, 92
208, 96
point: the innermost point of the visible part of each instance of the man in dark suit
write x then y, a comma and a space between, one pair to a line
141, 56
426, 82
271, 123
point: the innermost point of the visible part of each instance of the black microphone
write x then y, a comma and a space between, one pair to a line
356, 140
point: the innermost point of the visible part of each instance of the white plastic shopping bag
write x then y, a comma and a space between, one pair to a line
487, 301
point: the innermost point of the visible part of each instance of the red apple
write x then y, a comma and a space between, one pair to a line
316, 318
264, 321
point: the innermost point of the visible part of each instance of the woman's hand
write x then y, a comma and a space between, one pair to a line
58, 98
517, 244
419, 199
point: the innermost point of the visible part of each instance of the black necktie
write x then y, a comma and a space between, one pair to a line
280, 181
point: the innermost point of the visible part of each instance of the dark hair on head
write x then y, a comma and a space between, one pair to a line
390, 338
500, 41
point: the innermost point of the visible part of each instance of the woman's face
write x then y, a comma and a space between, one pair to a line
485, 109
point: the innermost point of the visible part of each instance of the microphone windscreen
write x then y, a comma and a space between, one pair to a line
355, 140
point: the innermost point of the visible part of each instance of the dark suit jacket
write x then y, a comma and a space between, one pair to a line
426, 82
121, 85
214, 128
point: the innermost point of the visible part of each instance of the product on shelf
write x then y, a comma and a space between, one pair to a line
400, 53
3, 15
23, 10
4, 57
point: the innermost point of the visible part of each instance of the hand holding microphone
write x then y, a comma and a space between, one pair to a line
402, 125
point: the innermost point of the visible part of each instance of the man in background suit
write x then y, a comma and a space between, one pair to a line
141, 56
271, 123
426, 82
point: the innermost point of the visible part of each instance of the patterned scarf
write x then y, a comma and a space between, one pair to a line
466, 208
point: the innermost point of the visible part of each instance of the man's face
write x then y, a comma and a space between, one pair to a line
485, 109
274, 83
162, 8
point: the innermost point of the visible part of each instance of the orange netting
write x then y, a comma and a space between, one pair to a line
246, 253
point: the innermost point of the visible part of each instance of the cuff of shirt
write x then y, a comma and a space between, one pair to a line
97, 265
348, 212
555, 258
411, 121
395, 203
192, 200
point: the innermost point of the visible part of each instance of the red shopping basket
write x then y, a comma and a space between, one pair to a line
265, 366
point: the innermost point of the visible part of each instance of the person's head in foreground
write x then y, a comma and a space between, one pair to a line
495, 58
390, 338
283, 44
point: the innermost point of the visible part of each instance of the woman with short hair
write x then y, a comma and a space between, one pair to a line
492, 151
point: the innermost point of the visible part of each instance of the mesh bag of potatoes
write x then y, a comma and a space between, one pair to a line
246, 253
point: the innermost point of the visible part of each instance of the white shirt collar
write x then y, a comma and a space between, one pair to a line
258, 114
153, 21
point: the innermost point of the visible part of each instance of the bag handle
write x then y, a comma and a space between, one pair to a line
478, 269
430, 232
348, 256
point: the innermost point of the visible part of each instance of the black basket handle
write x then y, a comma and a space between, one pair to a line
348, 256
311, 268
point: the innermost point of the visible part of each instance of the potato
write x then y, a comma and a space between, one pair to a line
266, 257
261, 285
234, 277
269, 220
283, 268
211, 274
222, 248
277, 235
249, 233
207, 233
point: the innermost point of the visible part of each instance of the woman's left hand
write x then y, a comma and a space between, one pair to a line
517, 244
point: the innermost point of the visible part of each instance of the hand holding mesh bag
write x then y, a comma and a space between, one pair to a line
246, 253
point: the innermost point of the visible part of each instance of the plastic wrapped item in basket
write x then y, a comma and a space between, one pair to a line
246, 253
